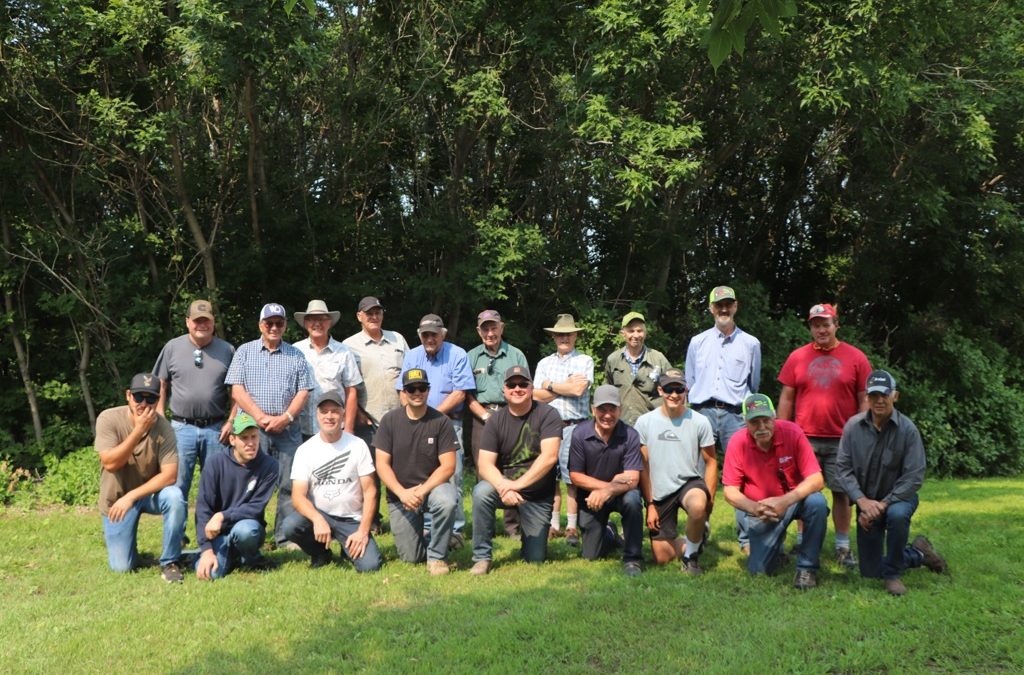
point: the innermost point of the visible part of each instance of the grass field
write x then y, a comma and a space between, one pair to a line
63, 611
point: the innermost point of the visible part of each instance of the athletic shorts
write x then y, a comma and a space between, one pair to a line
668, 510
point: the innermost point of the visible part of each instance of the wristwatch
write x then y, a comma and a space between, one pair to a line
289, 416
550, 387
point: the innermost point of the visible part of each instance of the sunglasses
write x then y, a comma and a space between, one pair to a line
148, 398
674, 389
416, 389
197, 356
274, 324
518, 384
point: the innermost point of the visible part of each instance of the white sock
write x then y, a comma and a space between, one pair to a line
556, 520
691, 547
842, 541
571, 525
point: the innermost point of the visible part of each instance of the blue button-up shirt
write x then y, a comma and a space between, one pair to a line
271, 378
725, 368
447, 371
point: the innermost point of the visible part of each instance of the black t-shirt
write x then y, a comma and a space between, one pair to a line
517, 442
414, 445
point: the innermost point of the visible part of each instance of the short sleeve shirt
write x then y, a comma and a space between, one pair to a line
271, 378
590, 455
197, 390
828, 386
333, 368
157, 449
673, 448
760, 474
489, 370
448, 371
380, 363
517, 442
333, 471
558, 369
415, 446
637, 390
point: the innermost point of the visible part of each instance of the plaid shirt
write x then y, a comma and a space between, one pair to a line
272, 378
334, 369
558, 369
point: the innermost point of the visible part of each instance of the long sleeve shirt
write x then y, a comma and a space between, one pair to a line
239, 491
884, 464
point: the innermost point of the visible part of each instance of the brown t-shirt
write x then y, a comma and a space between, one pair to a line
157, 449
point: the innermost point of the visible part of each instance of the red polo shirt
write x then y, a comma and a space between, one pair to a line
772, 473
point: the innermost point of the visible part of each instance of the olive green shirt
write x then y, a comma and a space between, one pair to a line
489, 371
639, 393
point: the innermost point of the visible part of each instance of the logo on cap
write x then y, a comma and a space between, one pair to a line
416, 374
147, 380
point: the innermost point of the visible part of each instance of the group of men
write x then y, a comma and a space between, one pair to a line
325, 422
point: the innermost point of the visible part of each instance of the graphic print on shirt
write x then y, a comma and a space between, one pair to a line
823, 370
329, 473
520, 454
668, 435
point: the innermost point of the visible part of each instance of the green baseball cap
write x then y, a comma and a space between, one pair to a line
242, 422
757, 405
632, 316
719, 293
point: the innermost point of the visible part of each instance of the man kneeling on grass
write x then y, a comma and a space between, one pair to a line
139, 459
881, 467
234, 489
772, 475
517, 458
333, 492
415, 458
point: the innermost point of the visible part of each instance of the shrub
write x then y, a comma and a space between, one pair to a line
73, 479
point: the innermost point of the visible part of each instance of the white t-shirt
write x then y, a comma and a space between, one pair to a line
333, 471
673, 448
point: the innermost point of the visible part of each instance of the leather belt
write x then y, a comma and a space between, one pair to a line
196, 422
567, 423
715, 403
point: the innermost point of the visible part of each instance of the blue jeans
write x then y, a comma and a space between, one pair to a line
892, 531
563, 454
282, 447
456, 482
407, 526
299, 528
767, 539
194, 443
121, 537
534, 520
595, 539
240, 546
724, 424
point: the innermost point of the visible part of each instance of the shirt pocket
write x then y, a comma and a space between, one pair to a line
736, 369
327, 371
393, 361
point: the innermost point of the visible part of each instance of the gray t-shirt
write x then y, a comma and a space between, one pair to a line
673, 448
196, 391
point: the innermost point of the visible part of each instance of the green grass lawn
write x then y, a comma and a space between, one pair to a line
62, 610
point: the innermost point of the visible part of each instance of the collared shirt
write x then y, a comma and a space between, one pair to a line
760, 474
590, 455
271, 378
721, 367
333, 368
884, 464
638, 387
489, 370
558, 368
447, 371
380, 363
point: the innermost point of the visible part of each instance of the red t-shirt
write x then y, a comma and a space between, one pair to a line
772, 473
828, 386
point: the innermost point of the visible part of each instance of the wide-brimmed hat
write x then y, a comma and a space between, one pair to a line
317, 308
564, 324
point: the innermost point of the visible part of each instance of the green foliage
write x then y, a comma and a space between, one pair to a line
73, 479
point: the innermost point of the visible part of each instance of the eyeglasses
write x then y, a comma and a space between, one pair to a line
148, 398
197, 355
674, 389
274, 324
416, 389
518, 384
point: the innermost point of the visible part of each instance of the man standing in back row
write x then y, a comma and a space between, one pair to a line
723, 367
192, 368
823, 387
634, 370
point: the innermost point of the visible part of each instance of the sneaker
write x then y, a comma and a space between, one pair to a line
691, 566
259, 563
554, 533
480, 568
895, 587
706, 538
572, 537
846, 558
805, 580
171, 574
456, 542
614, 536
437, 568
321, 559
932, 559
632, 568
